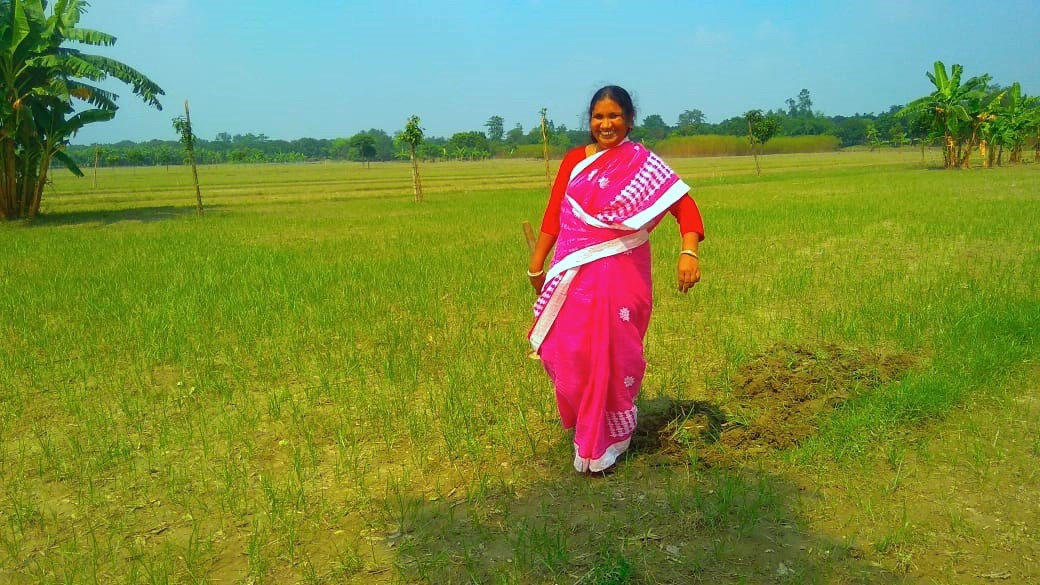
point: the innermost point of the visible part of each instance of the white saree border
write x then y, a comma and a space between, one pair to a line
584, 164
596, 251
568, 266
663, 203
591, 219
609, 457
551, 310
645, 217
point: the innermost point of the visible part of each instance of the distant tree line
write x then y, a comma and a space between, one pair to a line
897, 126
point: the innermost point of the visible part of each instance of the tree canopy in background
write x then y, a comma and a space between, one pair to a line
761, 129
495, 128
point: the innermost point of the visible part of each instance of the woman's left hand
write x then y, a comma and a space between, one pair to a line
689, 272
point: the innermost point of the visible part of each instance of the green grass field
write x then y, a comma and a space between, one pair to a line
321, 381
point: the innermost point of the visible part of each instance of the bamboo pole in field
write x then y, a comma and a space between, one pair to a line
751, 139
528, 232
545, 150
529, 236
416, 182
191, 159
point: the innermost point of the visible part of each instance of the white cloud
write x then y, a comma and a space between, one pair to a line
704, 37
767, 30
162, 11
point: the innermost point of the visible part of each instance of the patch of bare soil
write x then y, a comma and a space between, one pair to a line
777, 400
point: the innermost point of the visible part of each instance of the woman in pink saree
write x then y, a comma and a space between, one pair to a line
595, 301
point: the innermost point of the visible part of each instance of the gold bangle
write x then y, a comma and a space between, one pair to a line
690, 253
534, 274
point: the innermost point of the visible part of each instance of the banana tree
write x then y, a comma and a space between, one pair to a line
1015, 122
1033, 124
41, 80
990, 147
54, 132
947, 107
981, 110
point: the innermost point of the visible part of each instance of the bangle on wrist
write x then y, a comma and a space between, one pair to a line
690, 253
534, 274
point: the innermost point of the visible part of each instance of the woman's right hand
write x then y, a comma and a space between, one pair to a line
541, 251
537, 282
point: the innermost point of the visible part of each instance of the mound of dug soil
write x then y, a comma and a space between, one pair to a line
776, 400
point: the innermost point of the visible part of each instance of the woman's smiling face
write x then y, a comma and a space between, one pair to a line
608, 124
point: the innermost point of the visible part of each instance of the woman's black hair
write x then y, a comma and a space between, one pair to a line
620, 97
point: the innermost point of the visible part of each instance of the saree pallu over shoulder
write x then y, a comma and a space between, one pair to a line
614, 199
593, 311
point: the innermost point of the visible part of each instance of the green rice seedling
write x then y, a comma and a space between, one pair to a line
897, 479
717, 550
480, 489
978, 458
896, 538
347, 560
274, 404
525, 427
196, 552
400, 506
309, 573
275, 499
11, 546
259, 563
289, 537
609, 569
21, 511
159, 570
348, 450
48, 454
540, 548
715, 506
895, 454
298, 464
958, 523
232, 485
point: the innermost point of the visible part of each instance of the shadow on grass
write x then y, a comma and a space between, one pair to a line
660, 518
667, 426
108, 217
695, 499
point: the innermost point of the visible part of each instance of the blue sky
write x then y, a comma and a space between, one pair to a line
326, 69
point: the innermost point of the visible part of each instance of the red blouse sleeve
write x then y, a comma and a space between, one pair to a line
689, 217
551, 218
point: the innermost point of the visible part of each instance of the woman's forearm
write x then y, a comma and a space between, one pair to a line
690, 241
541, 251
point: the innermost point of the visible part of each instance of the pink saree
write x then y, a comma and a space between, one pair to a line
593, 312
